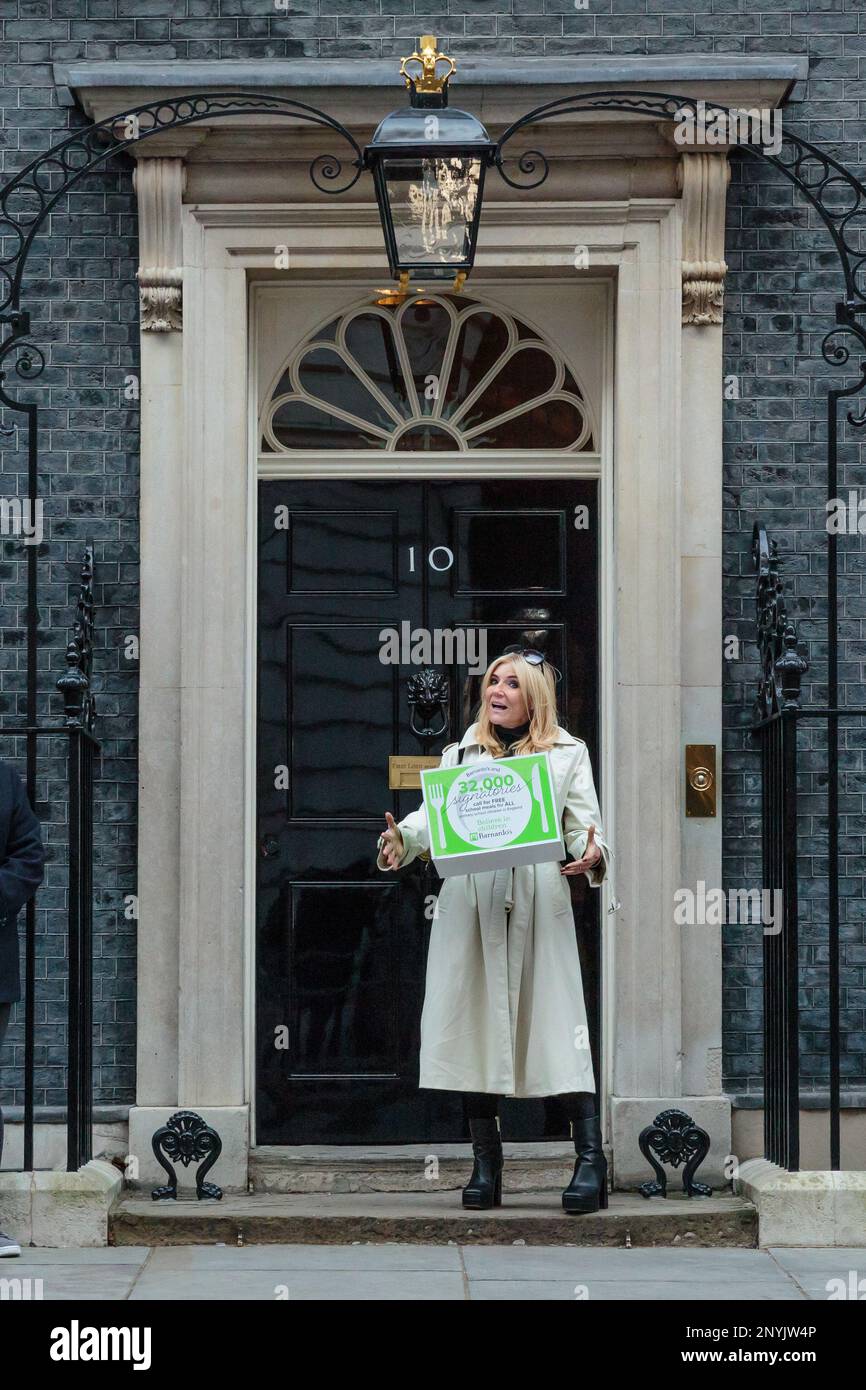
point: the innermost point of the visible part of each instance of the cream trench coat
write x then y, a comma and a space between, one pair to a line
503, 1007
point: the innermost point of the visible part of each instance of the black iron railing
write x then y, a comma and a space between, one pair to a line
73, 739
778, 718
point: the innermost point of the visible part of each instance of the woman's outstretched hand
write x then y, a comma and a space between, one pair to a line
591, 855
392, 842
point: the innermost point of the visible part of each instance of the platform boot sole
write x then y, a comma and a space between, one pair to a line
576, 1204
477, 1201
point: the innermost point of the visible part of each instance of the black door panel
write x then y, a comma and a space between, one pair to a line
341, 947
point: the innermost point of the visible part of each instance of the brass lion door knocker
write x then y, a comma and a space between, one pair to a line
428, 691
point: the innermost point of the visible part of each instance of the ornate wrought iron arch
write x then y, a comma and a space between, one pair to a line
812, 170
836, 194
28, 199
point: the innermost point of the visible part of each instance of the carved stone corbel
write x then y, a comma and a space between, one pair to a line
159, 185
703, 179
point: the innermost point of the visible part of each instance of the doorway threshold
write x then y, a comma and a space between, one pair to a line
433, 1167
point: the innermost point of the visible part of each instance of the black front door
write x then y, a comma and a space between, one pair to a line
351, 573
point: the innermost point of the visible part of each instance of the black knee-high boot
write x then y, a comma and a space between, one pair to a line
587, 1191
484, 1188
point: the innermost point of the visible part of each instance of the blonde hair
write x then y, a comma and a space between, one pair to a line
538, 688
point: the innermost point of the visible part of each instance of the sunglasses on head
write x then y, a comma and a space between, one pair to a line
531, 655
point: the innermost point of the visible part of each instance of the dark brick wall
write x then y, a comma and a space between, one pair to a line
81, 293
783, 286
780, 294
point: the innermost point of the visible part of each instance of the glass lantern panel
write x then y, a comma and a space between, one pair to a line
432, 203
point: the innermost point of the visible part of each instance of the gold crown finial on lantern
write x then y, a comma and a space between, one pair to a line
428, 58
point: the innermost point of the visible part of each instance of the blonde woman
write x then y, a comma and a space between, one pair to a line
504, 1012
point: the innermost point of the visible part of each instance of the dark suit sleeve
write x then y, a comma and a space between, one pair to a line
23, 864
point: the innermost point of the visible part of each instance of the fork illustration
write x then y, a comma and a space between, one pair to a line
436, 792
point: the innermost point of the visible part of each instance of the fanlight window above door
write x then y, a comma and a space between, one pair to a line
439, 373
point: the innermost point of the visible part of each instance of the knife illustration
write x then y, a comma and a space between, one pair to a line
536, 792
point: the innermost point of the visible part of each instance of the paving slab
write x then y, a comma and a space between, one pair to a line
717, 1267
294, 1286
352, 1258
624, 1291
819, 1272
73, 1254
98, 1282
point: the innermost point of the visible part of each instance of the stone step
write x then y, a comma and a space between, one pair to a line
405, 1167
431, 1218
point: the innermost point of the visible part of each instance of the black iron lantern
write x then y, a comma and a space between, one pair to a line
428, 164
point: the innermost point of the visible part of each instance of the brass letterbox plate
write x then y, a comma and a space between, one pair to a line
404, 773
701, 779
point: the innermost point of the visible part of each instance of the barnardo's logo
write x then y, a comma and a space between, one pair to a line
77, 1343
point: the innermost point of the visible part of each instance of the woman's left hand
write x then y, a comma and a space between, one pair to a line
591, 855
